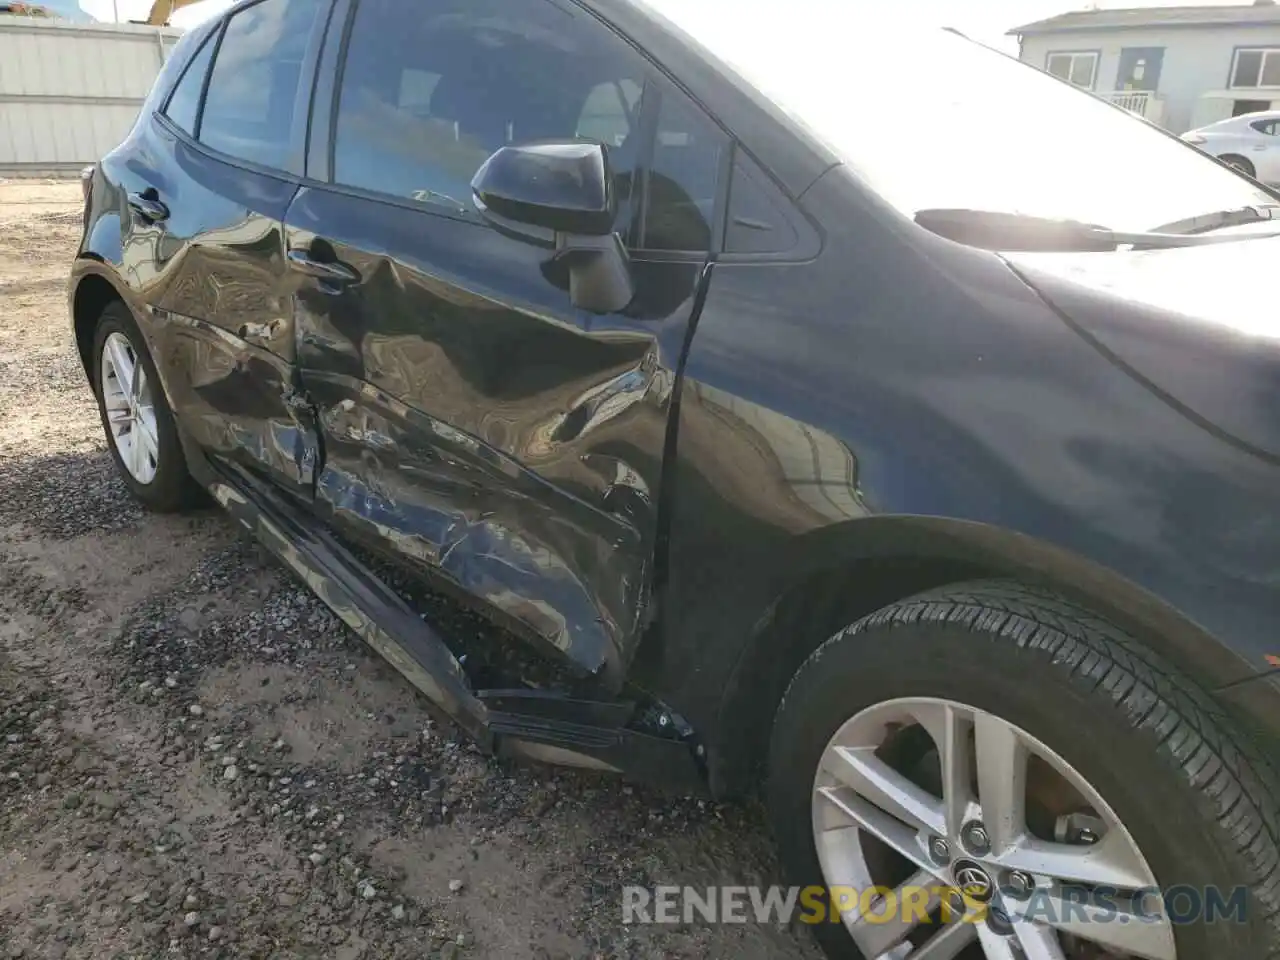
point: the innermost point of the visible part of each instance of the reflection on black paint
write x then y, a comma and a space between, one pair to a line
524, 435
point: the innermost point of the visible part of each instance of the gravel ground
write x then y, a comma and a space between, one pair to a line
197, 759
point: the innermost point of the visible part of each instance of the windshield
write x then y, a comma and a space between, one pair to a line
931, 120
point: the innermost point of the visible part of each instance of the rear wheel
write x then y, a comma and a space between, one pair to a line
135, 415
1239, 163
999, 740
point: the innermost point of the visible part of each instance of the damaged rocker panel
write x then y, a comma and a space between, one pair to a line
361, 601
542, 726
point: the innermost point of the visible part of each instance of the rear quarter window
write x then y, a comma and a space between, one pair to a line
253, 89
183, 108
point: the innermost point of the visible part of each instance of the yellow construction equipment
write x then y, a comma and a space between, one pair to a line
162, 10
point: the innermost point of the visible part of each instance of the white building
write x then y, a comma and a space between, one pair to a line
1180, 67
69, 92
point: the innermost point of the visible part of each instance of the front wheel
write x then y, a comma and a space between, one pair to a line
140, 430
1240, 163
995, 756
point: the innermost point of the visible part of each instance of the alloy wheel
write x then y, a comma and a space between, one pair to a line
130, 410
928, 797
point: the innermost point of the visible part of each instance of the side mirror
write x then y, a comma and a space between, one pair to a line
560, 193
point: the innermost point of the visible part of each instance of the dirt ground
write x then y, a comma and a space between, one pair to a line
197, 759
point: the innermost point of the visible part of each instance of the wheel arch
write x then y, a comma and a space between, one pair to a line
90, 295
1231, 155
892, 558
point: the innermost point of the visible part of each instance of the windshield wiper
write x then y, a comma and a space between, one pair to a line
1220, 219
1022, 233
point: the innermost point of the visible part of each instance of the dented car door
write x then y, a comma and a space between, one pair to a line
226, 328
475, 423
207, 219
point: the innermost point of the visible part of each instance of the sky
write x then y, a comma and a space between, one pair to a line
984, 20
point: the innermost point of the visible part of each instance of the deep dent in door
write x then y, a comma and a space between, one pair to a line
231, 383
515, 538
479, 426
216, 376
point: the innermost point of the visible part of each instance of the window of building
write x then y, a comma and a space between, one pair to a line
1259, 67
1078, 67
253, 89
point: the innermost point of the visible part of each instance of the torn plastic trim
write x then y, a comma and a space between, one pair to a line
599, 735
542, 726
362, 602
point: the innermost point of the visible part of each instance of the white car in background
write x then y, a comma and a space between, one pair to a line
1249, 142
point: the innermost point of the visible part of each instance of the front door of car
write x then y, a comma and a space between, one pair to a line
231, 140
475, 422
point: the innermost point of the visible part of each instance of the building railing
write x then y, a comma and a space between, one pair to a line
1144, 103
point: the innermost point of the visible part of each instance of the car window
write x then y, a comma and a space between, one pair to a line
253, 89
425, 99
184, 102
759, 221
609, 113
1037, 153
688, 151
1269, 127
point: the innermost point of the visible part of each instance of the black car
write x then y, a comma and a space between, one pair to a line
918, 467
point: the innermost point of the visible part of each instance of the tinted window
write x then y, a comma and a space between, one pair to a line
609, 113
249, 108
428, 95
1037, 154
681, 201
1269, 127
758, 213
184, 102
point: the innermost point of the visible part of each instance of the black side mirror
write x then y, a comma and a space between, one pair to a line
560, 193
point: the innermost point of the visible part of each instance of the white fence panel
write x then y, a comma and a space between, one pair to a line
69, 92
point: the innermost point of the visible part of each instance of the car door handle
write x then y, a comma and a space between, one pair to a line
148, 208
332, 272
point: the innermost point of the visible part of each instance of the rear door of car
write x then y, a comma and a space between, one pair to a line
209, 192
475, 422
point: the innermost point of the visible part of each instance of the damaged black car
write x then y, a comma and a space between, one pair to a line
931, 493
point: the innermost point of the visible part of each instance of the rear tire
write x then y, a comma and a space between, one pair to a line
1183, 786
1242, 164
158, 476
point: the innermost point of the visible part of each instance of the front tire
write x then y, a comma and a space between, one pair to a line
1090, 765
1240, 163
139, 425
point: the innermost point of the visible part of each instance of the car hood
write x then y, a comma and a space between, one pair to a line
1197, 323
